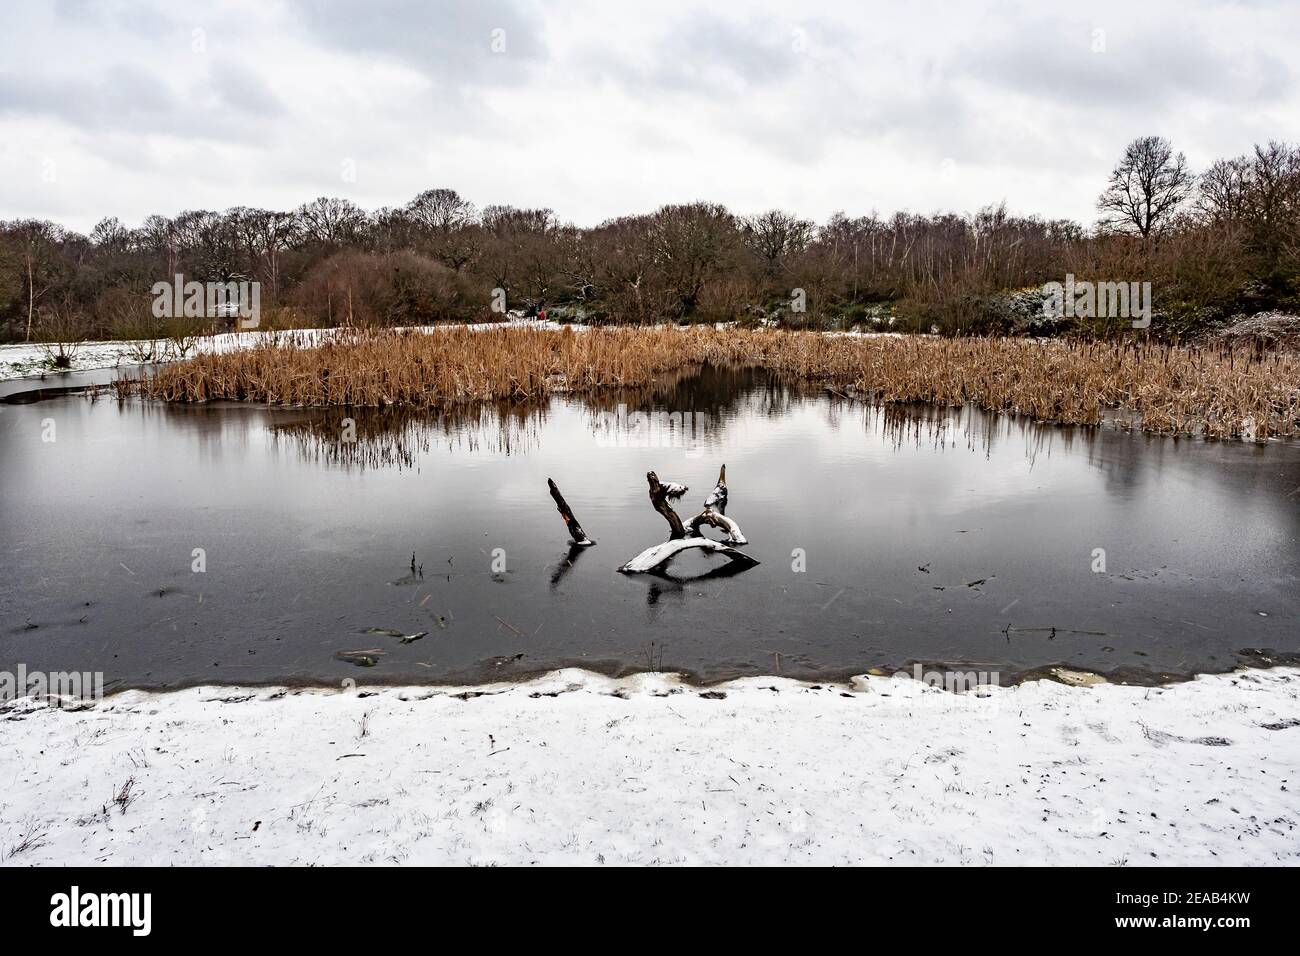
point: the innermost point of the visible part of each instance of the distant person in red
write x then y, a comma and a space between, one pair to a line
541, 311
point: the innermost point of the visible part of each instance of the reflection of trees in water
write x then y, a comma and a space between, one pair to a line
1140, 465
941, 427
217, 429
713, 395
694, 405
685, 406
681, 407
1127, 460
397, 437
713, 390
388, 437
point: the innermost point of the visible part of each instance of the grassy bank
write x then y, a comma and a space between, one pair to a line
1218, 392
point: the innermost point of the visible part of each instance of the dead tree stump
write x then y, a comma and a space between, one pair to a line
680, 539
575, 530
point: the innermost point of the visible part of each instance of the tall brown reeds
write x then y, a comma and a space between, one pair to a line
1217, 392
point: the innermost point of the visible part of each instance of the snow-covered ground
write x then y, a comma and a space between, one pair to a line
578, 768
33, 359
22, 361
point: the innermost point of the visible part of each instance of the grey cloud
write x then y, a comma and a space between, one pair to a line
752, 54
246, 92
124, 93
708, 54
140, 19
127, 99
449, 42
1055, 61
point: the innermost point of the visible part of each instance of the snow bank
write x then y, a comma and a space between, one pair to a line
580, 769
32, 359
21, 361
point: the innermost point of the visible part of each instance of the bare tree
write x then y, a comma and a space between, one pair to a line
688, 244
330, 221
519, 246
63, 329
774, 235
1272, 203
110, 235
625, 255
157, 236
1261, 194
207, 243
263, 237
391, 229
440, 210
448, 224
1148, 186
38, 239
1221, 190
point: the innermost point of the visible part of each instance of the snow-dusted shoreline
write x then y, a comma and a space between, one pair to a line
578, 768
30, 360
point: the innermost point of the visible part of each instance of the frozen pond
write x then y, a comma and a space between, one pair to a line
306, 540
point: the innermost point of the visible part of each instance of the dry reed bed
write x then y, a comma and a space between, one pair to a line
1219, 392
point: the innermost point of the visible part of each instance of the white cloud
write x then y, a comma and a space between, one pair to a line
596, 110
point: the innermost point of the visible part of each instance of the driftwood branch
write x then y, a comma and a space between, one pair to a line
579, 536
718, 520
680, 539
717, 499
714, 513
659, 498
652, 559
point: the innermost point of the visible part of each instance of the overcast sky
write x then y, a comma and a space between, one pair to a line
603, 108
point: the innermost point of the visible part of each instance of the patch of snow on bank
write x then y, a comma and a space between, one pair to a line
576, 768
21, 361
32, 359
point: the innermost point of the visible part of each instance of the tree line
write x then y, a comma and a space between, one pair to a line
1213, 244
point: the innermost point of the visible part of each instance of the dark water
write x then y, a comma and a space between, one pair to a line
32, 388
308, 541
